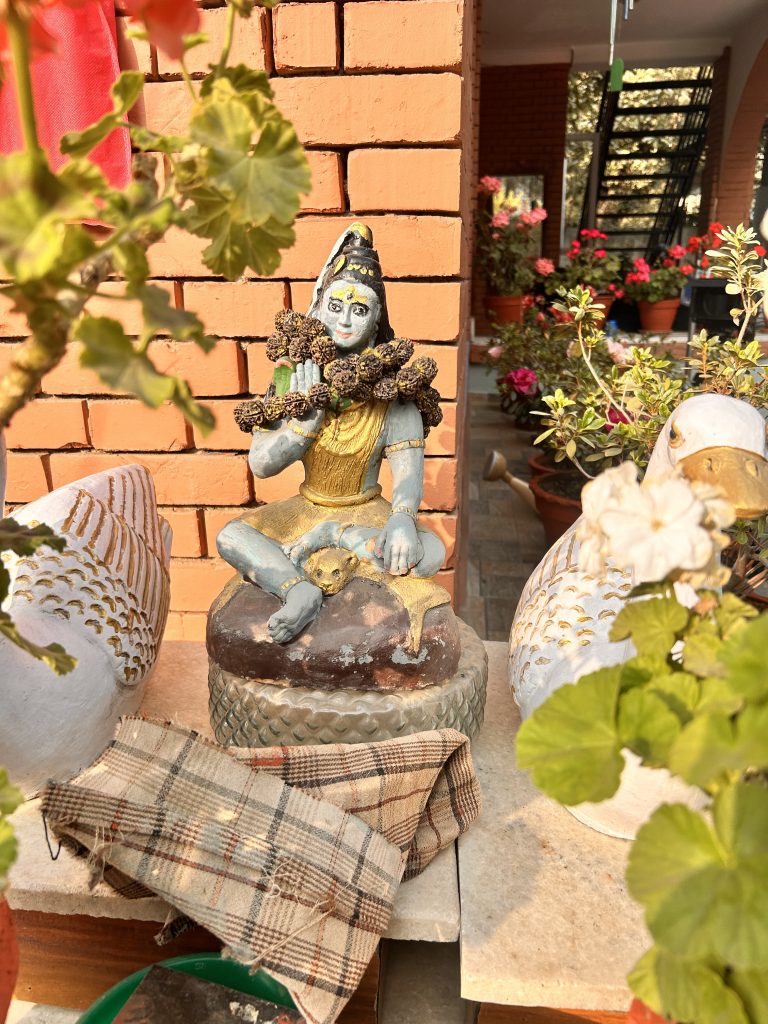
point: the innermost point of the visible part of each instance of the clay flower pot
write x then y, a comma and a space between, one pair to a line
604, 299
505, 309
9, 958
556, 510
658, 316
541, 464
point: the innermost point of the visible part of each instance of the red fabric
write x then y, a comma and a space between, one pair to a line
71, 86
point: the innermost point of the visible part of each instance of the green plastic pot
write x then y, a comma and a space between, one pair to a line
209, 967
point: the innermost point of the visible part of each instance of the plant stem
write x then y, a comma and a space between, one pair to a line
188, 78
36, 357
598, 381
229, 35
18, 36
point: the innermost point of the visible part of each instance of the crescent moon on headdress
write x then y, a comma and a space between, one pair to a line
333, 263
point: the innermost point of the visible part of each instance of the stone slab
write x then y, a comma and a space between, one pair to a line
426, 908
545, 916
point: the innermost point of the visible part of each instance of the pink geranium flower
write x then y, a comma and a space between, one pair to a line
490, 185
600, 254
544, 266
677, 252
500, 219
495, 351
523, 381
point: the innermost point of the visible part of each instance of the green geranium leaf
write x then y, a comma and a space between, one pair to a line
124, 92
147, 140
160, 317
732, 612
647, 726
640, 671
198, 415
704, 888
53, 245
571, 743
743, 655
242, 80
131, 261
680, 691
752, 989
718, 697
701, 655
653, 625
54, 655
685, 990
713, 746
189, 42
8, 850
82, 176
10, 796
25, 540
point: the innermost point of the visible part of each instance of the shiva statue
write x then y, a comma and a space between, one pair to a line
334, 586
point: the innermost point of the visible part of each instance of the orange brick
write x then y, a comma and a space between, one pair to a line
126, 425
27, 479
442, 439
186, 524
215, 519
402, 34
132, 54
306, 37
128, 313
409, 246
327, 195
447, 578
241, 310
445, 528
196, 582
260, 368
70, 378
178, 254
218, 372
197, 478
52, 423
429, 311
226, 435
167, 107
284, 485
189, 626
12, 324
352, 110
439, 484
404, 179
248, 46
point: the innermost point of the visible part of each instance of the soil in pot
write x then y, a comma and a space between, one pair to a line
558, 501
541, 463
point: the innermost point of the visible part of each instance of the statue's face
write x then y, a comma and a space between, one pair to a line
351, 313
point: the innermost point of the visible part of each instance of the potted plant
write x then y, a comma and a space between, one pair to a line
591, 266
506, 247
656, 288
693, 702
10, 798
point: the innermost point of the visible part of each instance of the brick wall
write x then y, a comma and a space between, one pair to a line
523, 112
378, 95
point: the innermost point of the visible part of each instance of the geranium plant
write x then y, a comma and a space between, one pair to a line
507, 242
662, 280
590, 265
694, 701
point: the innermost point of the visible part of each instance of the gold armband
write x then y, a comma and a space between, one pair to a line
399, 446
303, 433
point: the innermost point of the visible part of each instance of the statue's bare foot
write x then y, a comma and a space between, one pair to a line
302, 604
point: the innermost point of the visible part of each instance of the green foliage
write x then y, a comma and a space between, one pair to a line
10, 799
125, 91
694, 701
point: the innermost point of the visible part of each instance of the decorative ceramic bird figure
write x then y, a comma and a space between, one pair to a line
561, 626
105, 599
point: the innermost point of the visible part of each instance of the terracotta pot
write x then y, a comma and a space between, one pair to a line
658, 316
9, 958
541, 464
556, 513
505, 309
604, 299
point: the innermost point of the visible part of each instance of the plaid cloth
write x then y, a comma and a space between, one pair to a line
291, 856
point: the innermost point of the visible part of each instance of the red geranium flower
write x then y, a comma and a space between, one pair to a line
760, 250
166, 21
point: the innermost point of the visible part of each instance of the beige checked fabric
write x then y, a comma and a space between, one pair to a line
291, 856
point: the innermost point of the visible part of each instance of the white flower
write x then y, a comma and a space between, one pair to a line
607, 491
658, 530
719, 510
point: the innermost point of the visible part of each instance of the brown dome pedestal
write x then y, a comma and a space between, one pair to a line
350, 676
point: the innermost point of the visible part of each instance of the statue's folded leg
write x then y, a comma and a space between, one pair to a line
264, 563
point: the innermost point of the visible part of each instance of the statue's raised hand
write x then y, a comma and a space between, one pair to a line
398, 545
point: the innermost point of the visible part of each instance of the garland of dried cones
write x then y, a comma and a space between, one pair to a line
378, 373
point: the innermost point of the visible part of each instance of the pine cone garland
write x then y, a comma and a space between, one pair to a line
426, 367
322, 349
319, 396
249, 414
385, 390
369, 368
408, 382
273, 408
387, 353
287, 321
363, 391
277, 346
345, 383
298, 350
403, 350
296, 404
313, 328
